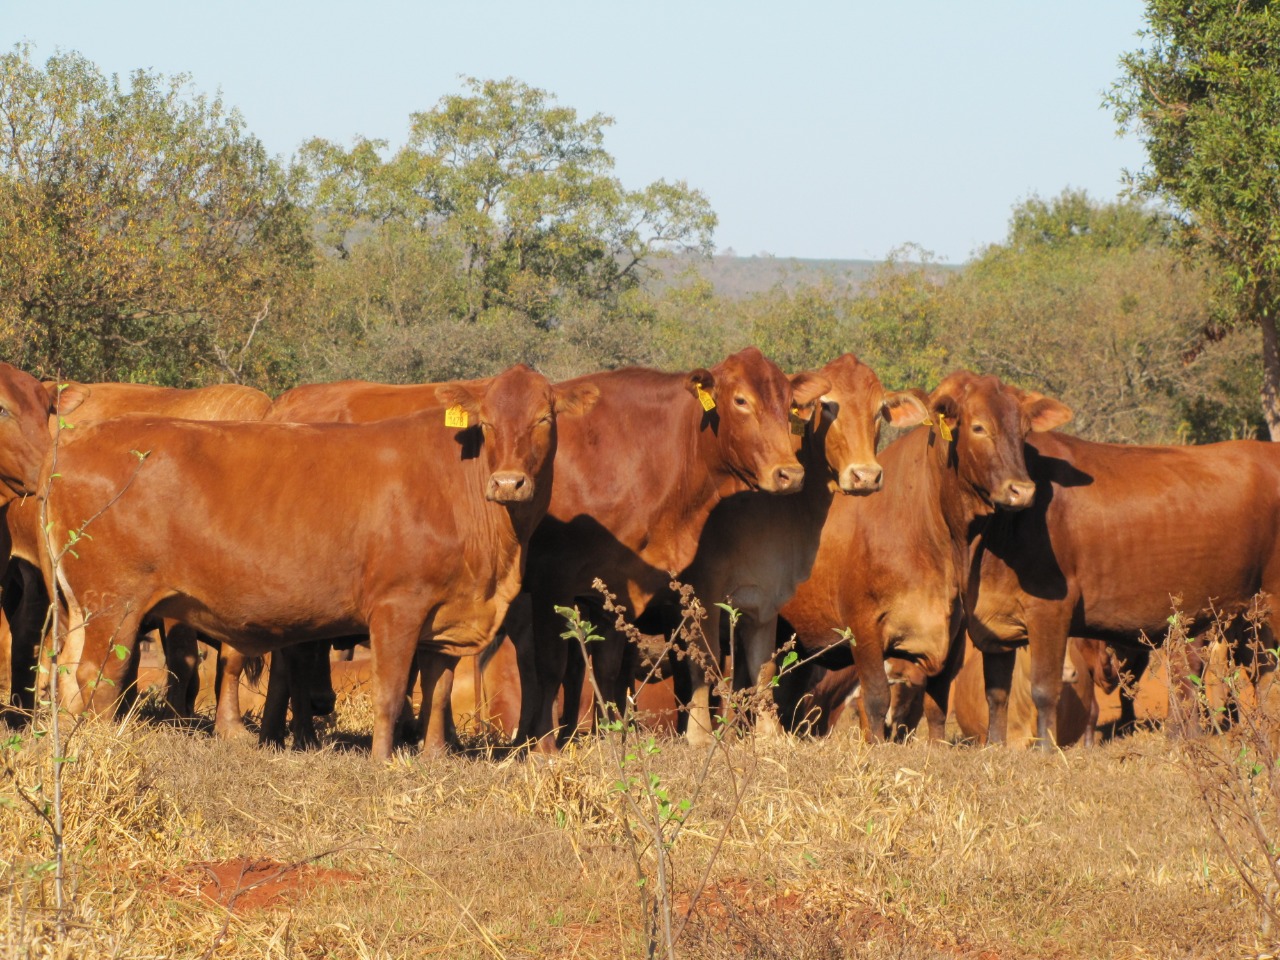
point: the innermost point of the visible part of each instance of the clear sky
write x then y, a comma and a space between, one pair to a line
817, 129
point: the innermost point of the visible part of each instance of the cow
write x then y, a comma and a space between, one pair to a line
300, 676
261, 534
1118, 536
891, 569
29, 421
95, 403
638, 478
756, 549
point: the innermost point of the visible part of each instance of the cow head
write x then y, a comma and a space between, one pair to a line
747, 401
846, 424
28, 423
982, 424
515, 413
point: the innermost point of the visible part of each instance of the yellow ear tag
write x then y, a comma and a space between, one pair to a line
708, 402
797, 425
941, 424
455, 416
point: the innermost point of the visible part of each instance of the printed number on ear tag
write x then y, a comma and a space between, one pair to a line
455, 416
708, 402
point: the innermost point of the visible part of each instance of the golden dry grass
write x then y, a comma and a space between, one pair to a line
838, 849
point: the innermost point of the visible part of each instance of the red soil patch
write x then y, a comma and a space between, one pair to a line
746, 914
243, 885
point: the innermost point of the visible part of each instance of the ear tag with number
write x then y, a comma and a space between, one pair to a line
797, 425
455, 416
708, 402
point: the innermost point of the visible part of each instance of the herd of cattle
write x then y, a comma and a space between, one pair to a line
423, 517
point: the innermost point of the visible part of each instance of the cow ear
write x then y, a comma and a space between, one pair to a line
459, 395
807, 386
1045, 413
946, 406
65, 396
905, 408
700, 381
576, 400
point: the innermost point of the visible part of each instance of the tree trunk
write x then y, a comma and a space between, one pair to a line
1270, 373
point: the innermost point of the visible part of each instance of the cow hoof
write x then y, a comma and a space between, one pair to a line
234, 731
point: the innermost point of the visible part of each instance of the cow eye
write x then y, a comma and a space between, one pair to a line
4, 412
740, 401
978, 428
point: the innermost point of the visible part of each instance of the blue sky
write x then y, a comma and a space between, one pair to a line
816, 129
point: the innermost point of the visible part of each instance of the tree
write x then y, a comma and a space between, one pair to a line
521, 187
143, 232
1204, 95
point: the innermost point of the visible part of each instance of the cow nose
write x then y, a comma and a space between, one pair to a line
786, 479
1018, 495
861, 478
1069, 672
509, 487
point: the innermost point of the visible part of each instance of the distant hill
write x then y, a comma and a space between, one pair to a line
734, 276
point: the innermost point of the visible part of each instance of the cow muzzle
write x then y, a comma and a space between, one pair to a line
1015, 495
785, 479
861, 478
510, 486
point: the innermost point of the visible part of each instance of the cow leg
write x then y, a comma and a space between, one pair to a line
310, 692
698, 728
549, 656
436, 670
1185, 660
107, 647
228, 719
1048, 660
275, 708
997, 673
181, 661
759, 646
409, 728
868, 657
393, 638
128, 681
25, 606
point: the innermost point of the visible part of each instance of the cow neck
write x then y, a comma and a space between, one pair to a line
813, 500
964, 512
646, 431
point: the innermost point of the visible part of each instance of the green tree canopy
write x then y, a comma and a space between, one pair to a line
143, 232
521, 187
1204, 95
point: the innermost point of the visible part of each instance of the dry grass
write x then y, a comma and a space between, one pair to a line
838, 849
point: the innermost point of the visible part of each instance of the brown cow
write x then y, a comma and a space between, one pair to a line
299, 681
890, 568
638, 478
1117, 531
261, 534
29, 412
756, 549
96, 403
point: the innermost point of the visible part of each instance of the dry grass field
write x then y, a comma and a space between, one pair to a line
182, 846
